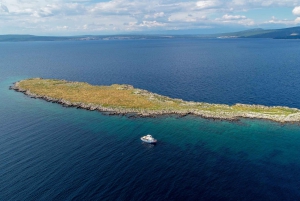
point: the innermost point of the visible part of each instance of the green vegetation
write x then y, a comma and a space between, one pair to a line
125, 98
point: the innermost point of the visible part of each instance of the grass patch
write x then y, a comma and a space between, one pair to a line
127, 97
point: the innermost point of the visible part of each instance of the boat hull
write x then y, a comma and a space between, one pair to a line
149, 141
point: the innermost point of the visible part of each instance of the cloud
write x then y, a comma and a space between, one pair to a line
154, 15
236, 19
62, 27
150, 24
49, 10
185, 17
274, 20
127, 15
111, 7
249, 4
233, 17
62, 9
296, 11
297, 20
3, 8
208, 4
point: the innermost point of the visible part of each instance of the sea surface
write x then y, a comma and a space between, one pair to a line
49, 152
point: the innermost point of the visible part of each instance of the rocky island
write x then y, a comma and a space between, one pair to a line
125, 99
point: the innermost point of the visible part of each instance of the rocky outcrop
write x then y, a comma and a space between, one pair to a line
223, 115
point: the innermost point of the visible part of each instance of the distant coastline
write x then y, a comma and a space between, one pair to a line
285, 33
125, 99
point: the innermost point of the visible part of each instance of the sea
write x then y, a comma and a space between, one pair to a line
50, 152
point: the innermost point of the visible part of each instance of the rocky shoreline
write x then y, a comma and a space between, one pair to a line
220, 115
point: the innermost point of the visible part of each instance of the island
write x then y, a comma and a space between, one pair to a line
122, 99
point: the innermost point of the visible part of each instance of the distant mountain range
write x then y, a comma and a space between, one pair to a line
286, 33
18, 38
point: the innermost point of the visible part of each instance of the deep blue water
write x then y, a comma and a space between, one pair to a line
48, 152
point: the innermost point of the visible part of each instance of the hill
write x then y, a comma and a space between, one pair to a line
286, 33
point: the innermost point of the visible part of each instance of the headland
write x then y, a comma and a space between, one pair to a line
125, 99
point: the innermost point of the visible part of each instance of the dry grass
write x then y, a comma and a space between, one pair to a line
86, 93
124, 96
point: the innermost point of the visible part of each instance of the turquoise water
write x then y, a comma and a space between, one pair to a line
48, 152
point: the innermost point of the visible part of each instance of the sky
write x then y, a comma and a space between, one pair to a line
101, 17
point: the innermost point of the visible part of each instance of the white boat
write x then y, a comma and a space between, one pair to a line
148, 139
